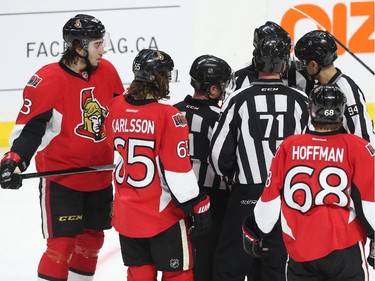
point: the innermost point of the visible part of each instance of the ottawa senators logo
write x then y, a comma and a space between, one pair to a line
93, 115
34, 81
179, 120
370, 149
77, 23
160, 56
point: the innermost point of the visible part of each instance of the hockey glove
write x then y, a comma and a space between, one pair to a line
252, 238
11, 166
371, 255
201, 216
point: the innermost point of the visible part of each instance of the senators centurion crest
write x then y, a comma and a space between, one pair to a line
93, 115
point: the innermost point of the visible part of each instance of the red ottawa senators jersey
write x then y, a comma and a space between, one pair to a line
74, 109
153, 168
313, 179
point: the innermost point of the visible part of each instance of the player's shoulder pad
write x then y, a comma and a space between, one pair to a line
48, 72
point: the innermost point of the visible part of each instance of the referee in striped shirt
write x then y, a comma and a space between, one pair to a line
210, 76
293, 77
256, 120
317, 51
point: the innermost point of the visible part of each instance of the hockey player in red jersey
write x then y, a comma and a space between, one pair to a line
323, 185
156, 187
62, 118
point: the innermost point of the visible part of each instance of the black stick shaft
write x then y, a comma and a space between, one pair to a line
69, 171
353, 55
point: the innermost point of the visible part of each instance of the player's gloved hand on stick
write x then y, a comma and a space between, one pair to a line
252, 238
11, 166
201, 216
371, 255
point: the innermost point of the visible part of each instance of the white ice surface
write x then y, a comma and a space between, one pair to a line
21, 242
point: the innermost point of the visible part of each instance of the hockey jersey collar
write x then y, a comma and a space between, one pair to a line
190, 100
132, 101
71, 72
262, 82
335, 77
341, 130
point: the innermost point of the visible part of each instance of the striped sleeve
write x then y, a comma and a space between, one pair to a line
357, 119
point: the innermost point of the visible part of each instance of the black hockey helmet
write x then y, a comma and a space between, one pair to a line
270, 29
271, 53
149, 62
83, 28
316, 45
327, 104
208, 70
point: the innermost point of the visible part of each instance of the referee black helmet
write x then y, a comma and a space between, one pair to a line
270, 29
208, 70
317, 45
272, 54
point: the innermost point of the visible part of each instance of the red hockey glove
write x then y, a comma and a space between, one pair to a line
252, 238
201, 216
11, 166
371, 255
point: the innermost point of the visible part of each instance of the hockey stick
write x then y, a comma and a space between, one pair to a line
337, 41
68, 171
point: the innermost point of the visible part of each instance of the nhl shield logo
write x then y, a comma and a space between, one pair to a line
174, 263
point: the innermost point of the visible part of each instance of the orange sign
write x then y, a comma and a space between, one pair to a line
358, 42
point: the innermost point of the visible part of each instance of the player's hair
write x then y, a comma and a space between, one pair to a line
139, 90
326, 127
70, 55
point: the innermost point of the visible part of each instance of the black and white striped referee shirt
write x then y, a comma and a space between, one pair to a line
254, 123
293, 78
201, 116
356, 117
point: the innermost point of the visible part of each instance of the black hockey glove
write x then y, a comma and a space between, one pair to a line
200, 216
10, 168
252, 238
371, 255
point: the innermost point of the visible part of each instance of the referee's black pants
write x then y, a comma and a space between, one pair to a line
231, 262
205, 244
